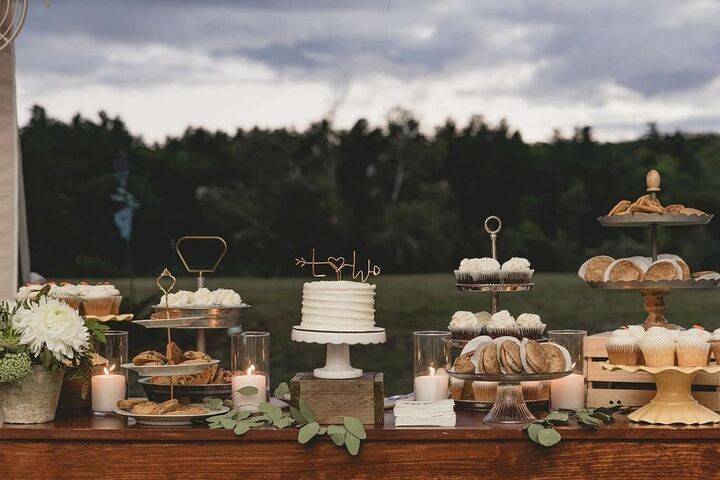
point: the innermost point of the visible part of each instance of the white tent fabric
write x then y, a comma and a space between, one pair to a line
9, 176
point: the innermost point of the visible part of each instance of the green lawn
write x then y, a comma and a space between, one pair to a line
406, 303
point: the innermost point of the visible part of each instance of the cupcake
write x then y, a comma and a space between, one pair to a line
502, 324
456, 388
638, 331
478, 270
658, 350
484, 391
516, 270
530, 325
464, 326
622, 348
715, 345
692, 350
484, 318
100, 300
698, 331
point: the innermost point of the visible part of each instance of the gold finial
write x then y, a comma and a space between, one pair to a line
652, 180
166, 275
337, 264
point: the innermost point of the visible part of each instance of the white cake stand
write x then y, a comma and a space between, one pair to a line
337, 362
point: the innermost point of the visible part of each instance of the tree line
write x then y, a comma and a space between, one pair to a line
410, 201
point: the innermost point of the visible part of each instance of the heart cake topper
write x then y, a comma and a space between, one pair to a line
337, 265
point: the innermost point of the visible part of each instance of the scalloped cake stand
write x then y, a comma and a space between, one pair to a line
337, 361
673, 402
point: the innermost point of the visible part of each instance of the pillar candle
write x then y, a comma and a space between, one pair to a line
433, 387
568, 392
249, 379
106, 390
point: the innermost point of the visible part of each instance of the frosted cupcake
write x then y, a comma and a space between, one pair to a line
692, 350
484, 391
698, 331
516, 270
483, 318
638, 331
478, 270
530, 325
715, 345
658, 350
502, 324
100, 300
622, 348
464, 325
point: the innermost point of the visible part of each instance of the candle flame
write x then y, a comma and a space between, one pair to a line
432, 371
109, 370
251, 370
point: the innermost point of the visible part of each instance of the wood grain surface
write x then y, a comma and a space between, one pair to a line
106, 447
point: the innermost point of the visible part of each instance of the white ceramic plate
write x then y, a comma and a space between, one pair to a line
170, 420
169, 370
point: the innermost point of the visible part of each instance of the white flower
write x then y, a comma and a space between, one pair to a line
52, 324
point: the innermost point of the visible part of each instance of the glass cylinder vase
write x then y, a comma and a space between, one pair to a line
431, 360
250, 354
569, 392
108, 384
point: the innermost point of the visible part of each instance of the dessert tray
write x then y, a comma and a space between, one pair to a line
494, 287
657, 284
169, 370
171, 420
195, 317
673, 402
646, 219
123, 317
161, 392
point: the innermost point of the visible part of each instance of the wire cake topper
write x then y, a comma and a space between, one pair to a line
337, 264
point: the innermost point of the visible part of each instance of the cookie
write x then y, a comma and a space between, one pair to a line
692, 211
173, 353
511, 351
593, 270
463, 364
130, 403
663, 270
193, 361
621, 206
149, 356
202, 378
537, 357
674, 209
167, 406
623, 270
192, 355
144, 408
490, 362
188, 410
557, 356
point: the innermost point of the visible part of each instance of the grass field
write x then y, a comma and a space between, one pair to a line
406, 303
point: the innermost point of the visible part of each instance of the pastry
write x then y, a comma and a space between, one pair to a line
530, 325
675, 209
593, 270
490, 363
203, 297
621, 206
167, 406
191, 355
149, 357
129, 403
692, 350
624, 270
658, 348
509, 354
706, 275
195, 361
516, 270
536, 357
187, 410
502, 324
144, 408
663, 270
692, 211
683, 266
557, 356
173, 354
622, 347
464, 325
463, 364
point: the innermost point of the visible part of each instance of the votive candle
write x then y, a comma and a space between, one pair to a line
106, 389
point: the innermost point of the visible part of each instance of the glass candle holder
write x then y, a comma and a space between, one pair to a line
431, 360
108, 384
569, 392
250, 353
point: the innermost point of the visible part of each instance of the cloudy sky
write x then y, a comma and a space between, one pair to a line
163, 65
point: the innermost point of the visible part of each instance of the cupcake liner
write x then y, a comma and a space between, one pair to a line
715, 350
72, 302
692, 354
456, 388
623, 354
496, 332
659, 355
532, 332
99, 306
535, 391
464, 333
477, 276
517, 277
484, 391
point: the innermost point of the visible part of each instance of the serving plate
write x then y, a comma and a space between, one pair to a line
169, 370
171, 420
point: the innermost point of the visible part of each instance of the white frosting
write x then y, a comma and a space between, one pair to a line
203, 298
715, 337
637, 330
102, 290
341, 306
463, 319
516, 264
700, 333
484, 265
483, 317
502, 319
622, 340
528, 320
623, 332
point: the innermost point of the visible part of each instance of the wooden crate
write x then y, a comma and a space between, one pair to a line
330, 400
607, 388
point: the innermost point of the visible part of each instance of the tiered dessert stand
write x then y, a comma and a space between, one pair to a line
201, 319
168, 371
493, 225
655, 292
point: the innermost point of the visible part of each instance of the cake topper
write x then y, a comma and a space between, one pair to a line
337, 264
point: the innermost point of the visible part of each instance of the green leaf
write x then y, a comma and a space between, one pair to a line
338, 438
241, 428
352, 443
601, 416
533, 429
355, 426
216, 425
305, 411
557, 417
297, 416
242, 414
282, 390
228, 423
283, 422
248, 390
586, 419
213, 403
270, 410
307, 432
219, 418
322, 431
547, 437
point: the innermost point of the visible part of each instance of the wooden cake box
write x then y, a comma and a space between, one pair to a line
607, 388
330, 400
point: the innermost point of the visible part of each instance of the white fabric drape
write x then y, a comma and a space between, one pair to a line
9, 165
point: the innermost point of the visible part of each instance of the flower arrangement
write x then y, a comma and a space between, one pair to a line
45, 331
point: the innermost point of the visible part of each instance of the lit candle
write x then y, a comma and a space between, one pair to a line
106, 390
249, 379
433, 387
568, 392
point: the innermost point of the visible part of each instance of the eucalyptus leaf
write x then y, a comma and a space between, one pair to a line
322, 431
228, 423
533, 429
216, 425
265, 407
219, 418
297, 416
242, 414
601, 416
355, 426
307, 432
352, 443
547, 437
282, 390
557, 417
248, 390
275, 414
338, 438
305, 411
213, 403
283, 422
241, 428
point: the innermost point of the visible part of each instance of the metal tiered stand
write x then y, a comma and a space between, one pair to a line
655, 292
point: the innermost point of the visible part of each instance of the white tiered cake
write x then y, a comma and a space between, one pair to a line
338, 306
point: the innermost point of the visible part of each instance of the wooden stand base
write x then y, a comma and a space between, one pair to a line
330, 400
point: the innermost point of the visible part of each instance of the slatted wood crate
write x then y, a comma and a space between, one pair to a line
606, 388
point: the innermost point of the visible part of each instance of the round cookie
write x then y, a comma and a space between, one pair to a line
536, 357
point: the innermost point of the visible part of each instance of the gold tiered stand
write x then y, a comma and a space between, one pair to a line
654, 293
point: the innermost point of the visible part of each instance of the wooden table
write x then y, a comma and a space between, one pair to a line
106, 447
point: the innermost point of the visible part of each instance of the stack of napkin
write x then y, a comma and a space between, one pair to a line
421, 414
